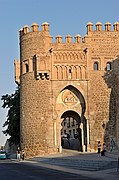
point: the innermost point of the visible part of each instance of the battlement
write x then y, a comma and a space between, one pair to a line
45, 28
99, 26
68, 38
34, 28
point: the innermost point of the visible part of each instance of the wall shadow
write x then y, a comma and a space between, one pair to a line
110, 79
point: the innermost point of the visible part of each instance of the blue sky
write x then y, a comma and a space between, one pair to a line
64, 16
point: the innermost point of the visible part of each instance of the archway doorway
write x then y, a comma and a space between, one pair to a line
71, 107
71, 132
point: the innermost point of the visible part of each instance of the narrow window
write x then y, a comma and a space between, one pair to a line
27, 68
34, 65
108, 66
69, 70
96, 66
70, 73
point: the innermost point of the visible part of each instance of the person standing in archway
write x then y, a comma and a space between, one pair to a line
18, 154
23, 154
68, 138
99, 147
62, 141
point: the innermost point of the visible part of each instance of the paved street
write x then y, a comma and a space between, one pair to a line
11, 170
67, 165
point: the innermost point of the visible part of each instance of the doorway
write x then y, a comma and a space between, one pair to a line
71, 132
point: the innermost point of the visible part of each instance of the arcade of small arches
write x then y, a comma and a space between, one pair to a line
69, 56
74, 72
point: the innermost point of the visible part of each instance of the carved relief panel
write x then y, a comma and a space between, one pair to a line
69, 98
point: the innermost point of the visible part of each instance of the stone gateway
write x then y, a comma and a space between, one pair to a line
67, 88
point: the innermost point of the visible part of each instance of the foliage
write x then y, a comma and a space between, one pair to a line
12, 102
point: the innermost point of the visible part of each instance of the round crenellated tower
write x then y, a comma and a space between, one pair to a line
36, 112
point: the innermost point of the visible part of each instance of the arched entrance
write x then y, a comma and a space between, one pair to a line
71, 120
71, 132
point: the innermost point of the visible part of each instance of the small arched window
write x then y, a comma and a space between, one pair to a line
96, 66
27, 68
108, 66
70, 70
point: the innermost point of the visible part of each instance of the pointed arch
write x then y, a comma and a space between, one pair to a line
79, 95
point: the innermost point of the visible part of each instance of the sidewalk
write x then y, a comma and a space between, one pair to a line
113, 155
70, 161
79, 163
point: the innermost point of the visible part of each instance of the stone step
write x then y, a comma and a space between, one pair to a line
80, 164
113, 155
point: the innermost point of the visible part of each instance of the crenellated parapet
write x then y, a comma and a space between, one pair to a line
107, 27
34, 28
100, 30
68, 38
45, 29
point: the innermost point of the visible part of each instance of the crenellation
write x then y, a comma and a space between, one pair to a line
89, 27
68, 38
78, 38
98, 26
35, 27
20, 32
58, 38
45, 26
25, 29
107, 26
116, 26
90, 32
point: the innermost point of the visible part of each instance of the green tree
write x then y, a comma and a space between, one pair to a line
12, 124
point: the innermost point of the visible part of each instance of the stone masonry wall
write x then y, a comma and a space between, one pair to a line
99, 102
35, 115
117, 110
103, 48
